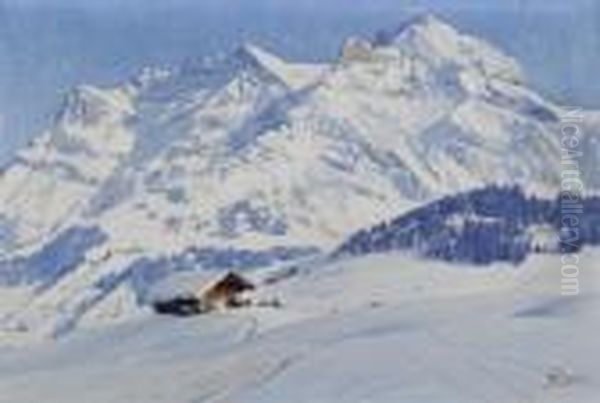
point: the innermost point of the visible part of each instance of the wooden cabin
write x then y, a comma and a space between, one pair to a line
228, 292
204, 292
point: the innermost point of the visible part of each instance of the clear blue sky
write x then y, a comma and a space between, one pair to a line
48, 46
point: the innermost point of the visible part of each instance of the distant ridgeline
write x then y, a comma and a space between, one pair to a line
484, 226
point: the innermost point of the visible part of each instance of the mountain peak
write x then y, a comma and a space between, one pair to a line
148, 77
86, 104
79, 104
292, 75
430, 38
258, 55
251, 57
253, 51
216, 71
424, 24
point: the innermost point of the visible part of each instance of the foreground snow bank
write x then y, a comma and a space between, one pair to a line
378, 329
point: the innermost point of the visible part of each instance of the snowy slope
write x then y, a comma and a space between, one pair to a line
249, 152
381, 329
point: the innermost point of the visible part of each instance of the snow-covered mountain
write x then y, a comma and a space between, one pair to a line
248, 152
52, 180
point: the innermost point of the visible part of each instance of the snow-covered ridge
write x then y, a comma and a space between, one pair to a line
248, 151
481, 227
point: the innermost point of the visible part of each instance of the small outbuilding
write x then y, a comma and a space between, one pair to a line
197, 293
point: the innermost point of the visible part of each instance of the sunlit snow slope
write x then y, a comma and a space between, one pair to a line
382, 329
